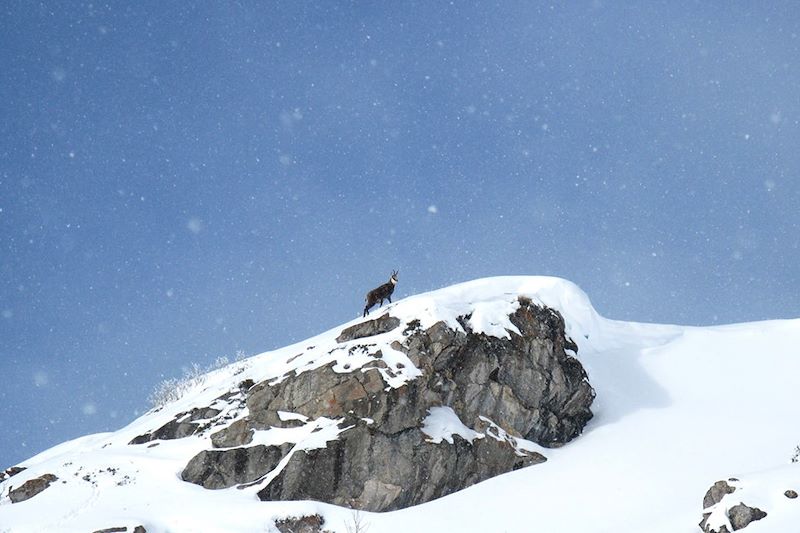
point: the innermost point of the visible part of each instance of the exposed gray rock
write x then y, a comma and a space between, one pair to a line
369, 328
528, 385
302, 524
183, 425
791, 494
10, 472
366, 469
715, 494
199, 419
137, 529
739, 516
31, 488
217, 469
259, 398
237, 434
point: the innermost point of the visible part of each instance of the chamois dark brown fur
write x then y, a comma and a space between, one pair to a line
379, 294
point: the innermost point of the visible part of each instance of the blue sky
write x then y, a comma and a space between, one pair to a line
194, 180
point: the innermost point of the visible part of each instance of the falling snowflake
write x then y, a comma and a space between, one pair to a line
195, 225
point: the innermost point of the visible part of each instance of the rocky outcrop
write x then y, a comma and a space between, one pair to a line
302, 524
122, 529
366, 469
10, 472
737, 516
717, 491
217, 469
199, 419
184, 425
31, 488
369, 328
741, 515
504, 392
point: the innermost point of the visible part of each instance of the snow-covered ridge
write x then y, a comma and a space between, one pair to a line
668, 423
488, 301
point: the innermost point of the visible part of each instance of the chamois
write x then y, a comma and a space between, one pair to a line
379, 294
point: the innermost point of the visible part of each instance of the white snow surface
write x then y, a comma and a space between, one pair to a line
442, 423
677, 409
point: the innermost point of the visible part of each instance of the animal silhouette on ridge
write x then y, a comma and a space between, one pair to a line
379, 294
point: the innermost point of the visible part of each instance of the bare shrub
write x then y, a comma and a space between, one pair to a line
173, 389
357, 523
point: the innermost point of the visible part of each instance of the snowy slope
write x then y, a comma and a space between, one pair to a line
677, 409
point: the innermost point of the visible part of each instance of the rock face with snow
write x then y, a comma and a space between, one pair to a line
10, 472
31, 488
718, 517
443, 389
473, 408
